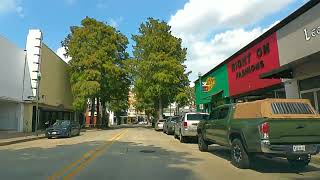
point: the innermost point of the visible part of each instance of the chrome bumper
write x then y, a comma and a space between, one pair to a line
268, 148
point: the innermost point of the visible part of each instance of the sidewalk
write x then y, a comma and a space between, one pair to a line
7, 137
316, 159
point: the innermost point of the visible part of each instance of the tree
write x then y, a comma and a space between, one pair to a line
186, 97
96, 68
160, 74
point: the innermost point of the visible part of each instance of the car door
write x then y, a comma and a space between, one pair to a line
220, 132
209, 125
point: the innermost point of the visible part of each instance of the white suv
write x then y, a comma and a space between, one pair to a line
159, 125
186, 126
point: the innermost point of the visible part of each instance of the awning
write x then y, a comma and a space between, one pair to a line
282, 72
286, 71
213, 95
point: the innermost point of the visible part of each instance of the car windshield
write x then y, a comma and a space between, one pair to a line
194, 117
61, 123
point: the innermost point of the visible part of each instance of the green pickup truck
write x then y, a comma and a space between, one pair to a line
288, 128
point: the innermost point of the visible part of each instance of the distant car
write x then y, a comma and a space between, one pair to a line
63, 128
186, 126
168, 126
159, 125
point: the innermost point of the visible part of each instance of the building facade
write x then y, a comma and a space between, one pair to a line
281, 63
31, 74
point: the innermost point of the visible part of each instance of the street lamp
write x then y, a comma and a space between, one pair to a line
200, 86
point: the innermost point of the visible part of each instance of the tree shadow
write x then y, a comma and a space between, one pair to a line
263, 164
121, 160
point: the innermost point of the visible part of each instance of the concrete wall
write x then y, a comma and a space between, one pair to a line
27, 117
295, 40
12, 60
10, 116
55, 87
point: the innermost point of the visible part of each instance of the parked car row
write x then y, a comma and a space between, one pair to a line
287, 128
183, 127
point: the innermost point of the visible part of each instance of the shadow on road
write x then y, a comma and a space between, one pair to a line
122, 160
262, 164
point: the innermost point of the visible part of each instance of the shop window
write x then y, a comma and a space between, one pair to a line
310, 96
310, 83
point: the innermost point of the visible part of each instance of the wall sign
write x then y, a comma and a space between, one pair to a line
245, 69
208, 84
312, 33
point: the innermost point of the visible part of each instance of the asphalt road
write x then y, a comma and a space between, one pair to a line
133, 153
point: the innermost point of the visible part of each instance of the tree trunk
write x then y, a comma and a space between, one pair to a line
104, 118
148, 118
98, 121
92, 112
118, 118
160, 108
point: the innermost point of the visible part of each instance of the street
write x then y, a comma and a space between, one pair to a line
132, 152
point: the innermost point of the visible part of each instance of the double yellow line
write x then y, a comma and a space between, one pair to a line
85, 159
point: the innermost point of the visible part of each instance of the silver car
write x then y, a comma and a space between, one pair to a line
186, 126
159, 125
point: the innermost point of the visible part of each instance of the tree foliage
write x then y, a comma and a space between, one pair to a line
160, 74
97, 70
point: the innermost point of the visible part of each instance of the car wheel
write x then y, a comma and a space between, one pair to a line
175, 135
203, 146
298, 164
69, 134
182, 138
239, 156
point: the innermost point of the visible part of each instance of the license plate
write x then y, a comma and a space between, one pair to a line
299, 148
54, 132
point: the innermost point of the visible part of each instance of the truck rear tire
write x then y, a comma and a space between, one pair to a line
203, 146
239, 156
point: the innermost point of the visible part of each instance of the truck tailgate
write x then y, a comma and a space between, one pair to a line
289, 131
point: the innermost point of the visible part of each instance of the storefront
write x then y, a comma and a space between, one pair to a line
212, 89
299, 53
244, 71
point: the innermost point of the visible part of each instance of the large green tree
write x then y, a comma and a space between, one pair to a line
160, 73
97, 72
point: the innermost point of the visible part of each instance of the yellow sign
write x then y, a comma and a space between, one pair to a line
209, 84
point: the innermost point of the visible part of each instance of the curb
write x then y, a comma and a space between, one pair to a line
20, 141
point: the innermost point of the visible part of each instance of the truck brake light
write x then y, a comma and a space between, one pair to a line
185, 124
264, 130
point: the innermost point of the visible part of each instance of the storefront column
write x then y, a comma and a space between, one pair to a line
292, 89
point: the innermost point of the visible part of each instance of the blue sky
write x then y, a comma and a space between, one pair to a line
202, 24
55, 17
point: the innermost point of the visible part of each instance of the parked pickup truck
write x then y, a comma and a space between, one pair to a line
288, 128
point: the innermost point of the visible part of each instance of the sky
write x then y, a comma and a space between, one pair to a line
211, 30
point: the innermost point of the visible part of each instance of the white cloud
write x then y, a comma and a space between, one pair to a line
200, 20
115, 22
60, 52
8, 6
